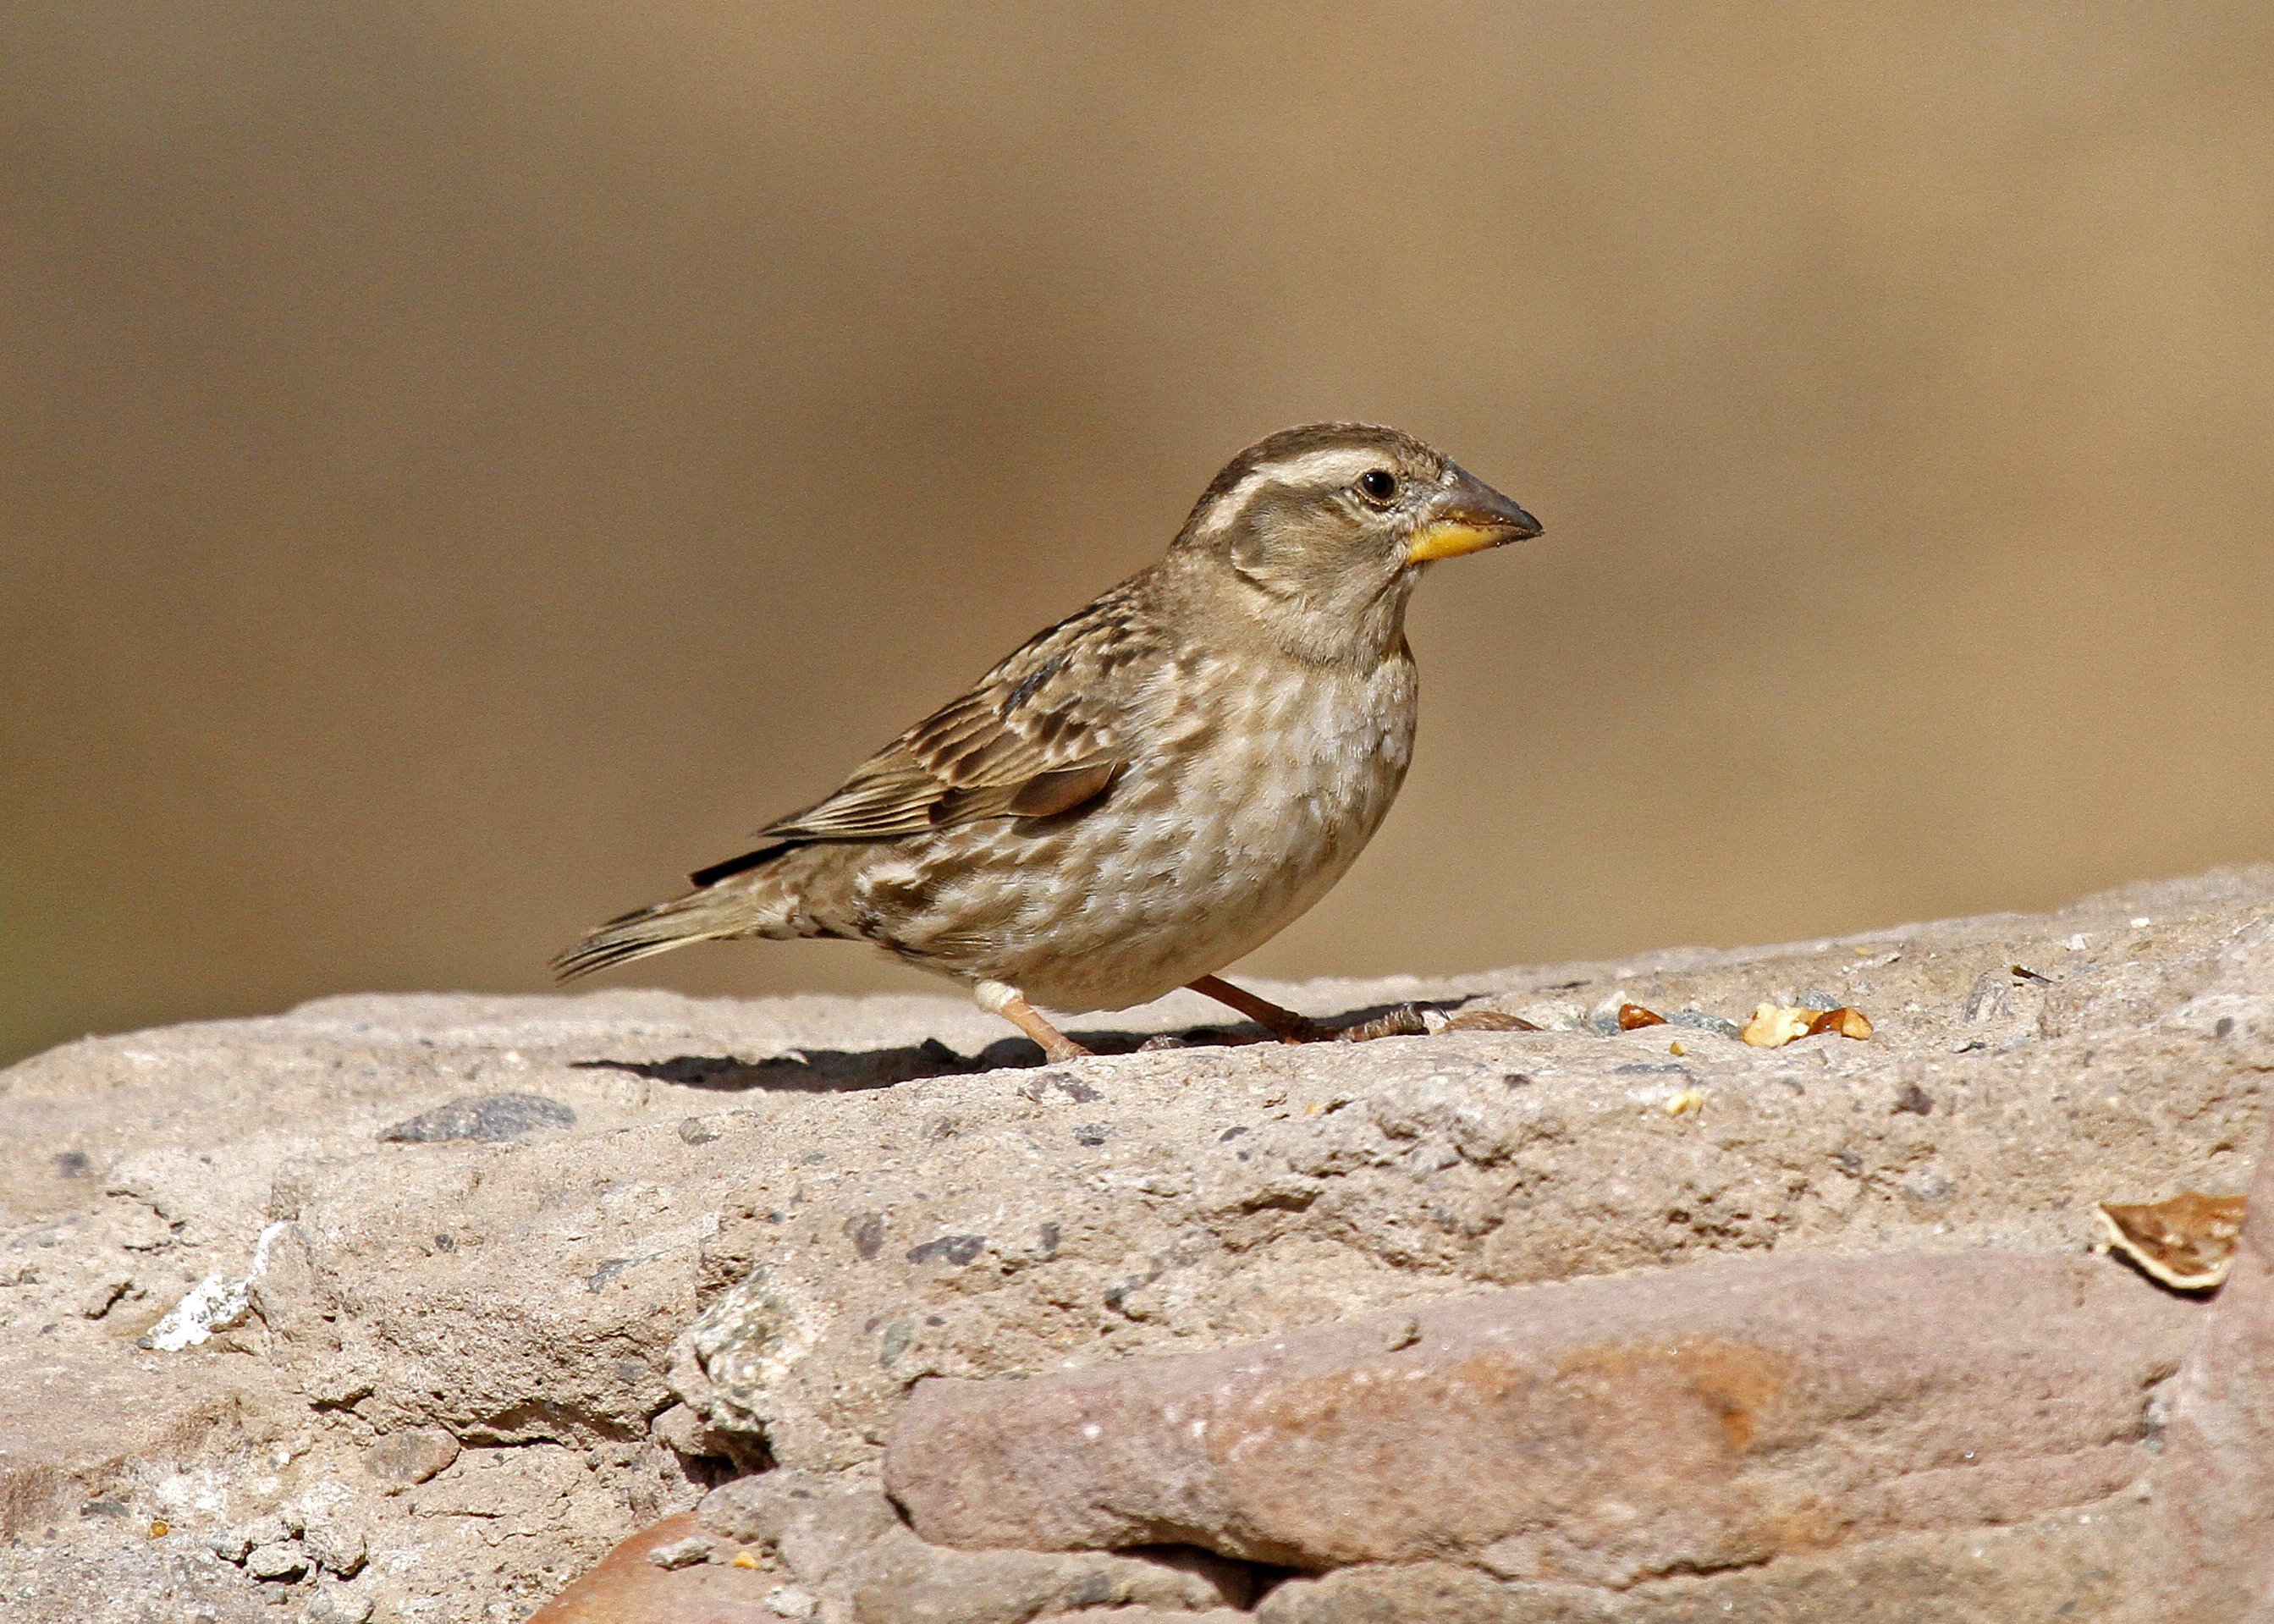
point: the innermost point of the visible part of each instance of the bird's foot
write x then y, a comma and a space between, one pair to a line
1008, 1002
1407, 1020
1413, 1021
1283, 1023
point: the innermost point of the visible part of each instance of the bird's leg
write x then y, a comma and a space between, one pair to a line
998, 998
1283, 1023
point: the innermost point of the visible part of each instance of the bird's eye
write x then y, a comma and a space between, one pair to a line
1379, 484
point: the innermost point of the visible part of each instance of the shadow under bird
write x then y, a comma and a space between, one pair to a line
1152, 787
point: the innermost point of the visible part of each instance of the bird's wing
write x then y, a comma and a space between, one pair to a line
1040, 735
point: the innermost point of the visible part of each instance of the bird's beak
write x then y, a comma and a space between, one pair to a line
1468, 517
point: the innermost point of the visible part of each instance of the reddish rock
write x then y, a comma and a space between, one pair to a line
834, 1552
745, 1242
901, 1579
2217, 1477
1602, 1431
408, 1459
2066, 1568
623, 1587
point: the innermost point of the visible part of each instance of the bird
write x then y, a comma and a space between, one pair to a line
1153, 786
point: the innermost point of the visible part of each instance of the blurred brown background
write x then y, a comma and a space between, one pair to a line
461, 464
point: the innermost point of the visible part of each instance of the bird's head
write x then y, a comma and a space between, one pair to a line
1328, 525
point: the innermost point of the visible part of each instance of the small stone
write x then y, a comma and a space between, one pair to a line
1700, 1021
485, 1119
957, 1248
340, 1603
754, 1510
744, 1341
265, 1530
789, 1602
230, 1545
336, 1548
680, 1553
409, 1458
684, 1432
1775, 1025
1929, 1183
279, 1562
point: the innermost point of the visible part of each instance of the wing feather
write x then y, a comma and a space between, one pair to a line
1039, 736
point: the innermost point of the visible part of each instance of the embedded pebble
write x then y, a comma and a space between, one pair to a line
681, 1553
486, 1118
340, 1603
283, 1559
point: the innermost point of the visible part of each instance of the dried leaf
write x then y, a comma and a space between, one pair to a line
1634, 1017
2187, 1241
1489, 1020
1849, 1023
1775, 1025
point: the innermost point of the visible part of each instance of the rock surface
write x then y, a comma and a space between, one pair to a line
311, 1269
1604, 1431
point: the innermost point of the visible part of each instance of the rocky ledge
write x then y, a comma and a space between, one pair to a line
633, 1307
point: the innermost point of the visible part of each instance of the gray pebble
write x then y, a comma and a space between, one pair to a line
957, 1248
484, 1119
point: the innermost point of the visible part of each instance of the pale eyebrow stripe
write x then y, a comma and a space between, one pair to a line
1336, 459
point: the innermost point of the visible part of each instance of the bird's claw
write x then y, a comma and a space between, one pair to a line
1407, 1020
1413, 1021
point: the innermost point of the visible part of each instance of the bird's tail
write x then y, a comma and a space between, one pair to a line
700, 916
741, 897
